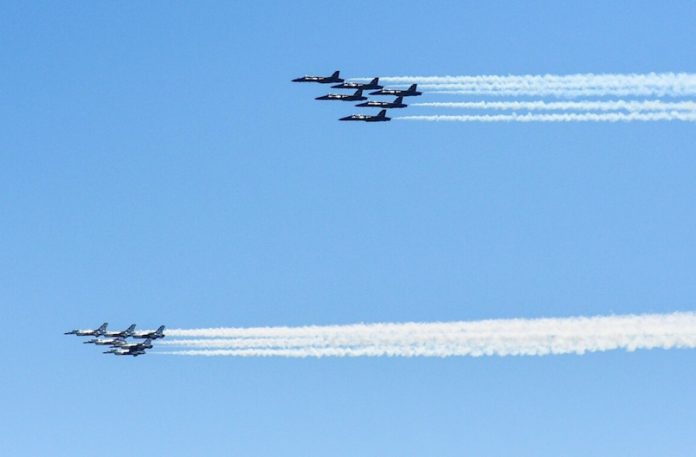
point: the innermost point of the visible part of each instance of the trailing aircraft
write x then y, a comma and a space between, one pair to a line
380, 117
134, 349
123, 334
357, 96
159, 333
334, 78
101, 330
397, 103
374, 84
411, 91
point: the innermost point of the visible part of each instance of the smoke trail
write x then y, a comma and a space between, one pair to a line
565, 117
659, 84
504, 337
570, 80
599, 105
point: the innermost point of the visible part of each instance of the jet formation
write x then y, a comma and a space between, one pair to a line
118, 340
358, 95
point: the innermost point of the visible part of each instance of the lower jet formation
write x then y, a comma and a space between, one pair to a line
411, 91
100, 331
357, 96
380, 117
372, 85
334, 78
397, 103
132, 349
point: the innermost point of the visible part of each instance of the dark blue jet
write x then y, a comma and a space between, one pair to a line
357, 96
372, 85
397, 103
381, 117
334, 78
398, 92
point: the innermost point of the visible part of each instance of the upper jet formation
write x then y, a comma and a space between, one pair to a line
397, 103
96, 332
334, 78
357, 96
372, 85
381, 117
411, 91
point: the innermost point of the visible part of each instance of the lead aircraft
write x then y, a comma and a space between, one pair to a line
334, 78
101, 330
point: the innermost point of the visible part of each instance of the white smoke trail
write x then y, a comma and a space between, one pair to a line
660, 84
588, 105
669, 78
503, 337
564, 117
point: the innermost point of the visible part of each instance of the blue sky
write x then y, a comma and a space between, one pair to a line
157, 166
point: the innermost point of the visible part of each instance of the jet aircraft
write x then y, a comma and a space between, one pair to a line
380, 117
106, 341
334, 78
398, 92
96, 332
397, 103
357, 96
159, 333
133, 349
123, 334
372, 85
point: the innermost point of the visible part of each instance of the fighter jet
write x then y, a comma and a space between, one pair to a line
380, 117
374, 84
159, 333
134, 349
97, 332
123, 334
334, 78
397, 103
357, 96
114, 342
398, 92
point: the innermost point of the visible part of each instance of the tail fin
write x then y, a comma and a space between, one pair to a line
147, 342
399, 99
160, 330
382, 113
374, 81
102, 328
358, 93
130, 329
412, 88
335, 74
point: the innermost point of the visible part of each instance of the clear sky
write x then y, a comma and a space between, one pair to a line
157, 166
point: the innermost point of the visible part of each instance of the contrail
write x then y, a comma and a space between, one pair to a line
598, 105
503, 337
564, 117
662, 84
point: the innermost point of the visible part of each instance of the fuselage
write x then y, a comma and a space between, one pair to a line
342, 97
